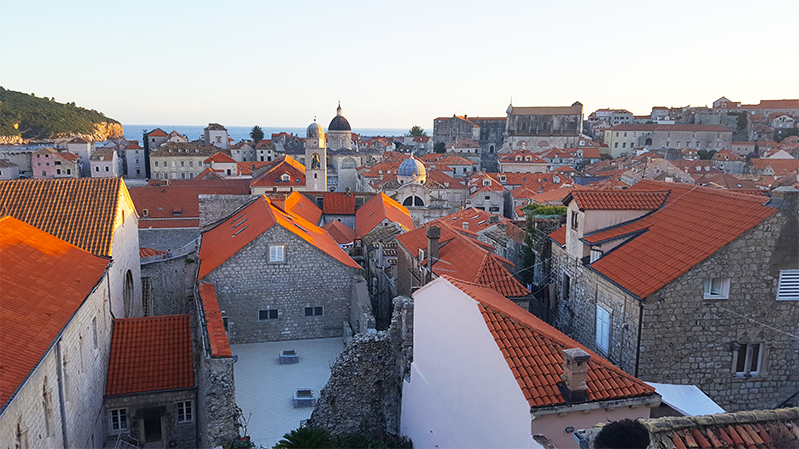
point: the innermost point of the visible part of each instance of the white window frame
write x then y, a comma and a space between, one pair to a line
748, 350
716, 288
788, 286
182, 409
122, 424
602, 329
277, 253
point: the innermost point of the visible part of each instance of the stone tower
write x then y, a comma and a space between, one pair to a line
339, 132
315, 159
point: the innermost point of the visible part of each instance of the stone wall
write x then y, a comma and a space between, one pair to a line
169, 285
217, 207
247, 283
361, 317
166, 239
216, 399
686, 339
174, 434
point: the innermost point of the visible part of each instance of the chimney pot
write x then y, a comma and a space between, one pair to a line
575, 373
433, 233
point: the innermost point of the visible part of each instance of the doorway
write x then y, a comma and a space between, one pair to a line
152, 429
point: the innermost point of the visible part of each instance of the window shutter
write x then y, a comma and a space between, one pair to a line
602, 328
788, 289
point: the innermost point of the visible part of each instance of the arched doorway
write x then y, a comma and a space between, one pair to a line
127, 294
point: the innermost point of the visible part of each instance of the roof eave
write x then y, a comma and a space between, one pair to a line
649, 400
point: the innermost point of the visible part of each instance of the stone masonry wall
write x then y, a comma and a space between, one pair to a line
166, 239
247, 283
173, 433
216, 207
687, 339
171, 285
216, 401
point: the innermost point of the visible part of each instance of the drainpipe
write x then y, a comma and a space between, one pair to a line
62, 407
640, 325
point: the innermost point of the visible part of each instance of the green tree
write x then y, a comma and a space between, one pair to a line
305, 438
440, 147
416, 131
257, 134
706, 154
527, 273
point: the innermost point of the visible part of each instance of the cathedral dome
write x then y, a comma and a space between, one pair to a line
412, 170
339, 123
315, 131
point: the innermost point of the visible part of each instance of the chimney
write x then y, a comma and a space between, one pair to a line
465, 225
493, 218
575, 374
433, 233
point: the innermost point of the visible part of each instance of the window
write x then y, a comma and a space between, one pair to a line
602, 328
182, 163
225, 322
717, 288
94, 331
119, 419
788, 287
616, 145
277, 253
58, 171
184, 412
487, 197
747, 359
69, 171
314, 311
270, 314
493, 209
575, 220
106, 168
566, 286
156, 163
191, 163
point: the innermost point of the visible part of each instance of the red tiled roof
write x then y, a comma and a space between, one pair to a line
162, 201
694, 223
43, 282
217, 338
551, 196
559, 235
157, 133
338, 203
134, 146
534, 353
150, 354
377, 209
219, 158
78, 210
299, 205
780, 166
617, 199
565, 168
287, 164
478, 219
149, 252
231, 235
208, 174
340, 232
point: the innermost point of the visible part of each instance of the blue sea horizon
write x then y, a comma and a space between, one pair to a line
238, 133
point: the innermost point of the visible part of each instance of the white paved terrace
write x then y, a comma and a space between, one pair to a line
266, 388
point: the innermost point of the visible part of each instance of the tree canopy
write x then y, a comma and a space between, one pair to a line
440, 147
416, 131
257, 134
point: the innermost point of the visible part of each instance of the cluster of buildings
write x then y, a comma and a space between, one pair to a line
666, 258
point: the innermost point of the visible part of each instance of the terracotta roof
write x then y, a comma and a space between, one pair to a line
377, 209
217, 338
208, 174
338, 203
774, 104
533, 351
5, 164
286, 165
478, 219
780, 166
616, 199
234, 233
150, 354
466, 258
78, 210
150, 252
559, 235
694, 223
134, 146
675, 128
43, 280
554, 195
161, 202
341, 233
299, 205
157, 132
565, 168
220, 158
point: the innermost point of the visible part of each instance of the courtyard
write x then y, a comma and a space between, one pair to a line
266, 388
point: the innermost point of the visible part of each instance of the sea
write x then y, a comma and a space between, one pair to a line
238, 133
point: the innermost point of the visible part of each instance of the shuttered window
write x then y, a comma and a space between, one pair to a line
602, 328
788, 289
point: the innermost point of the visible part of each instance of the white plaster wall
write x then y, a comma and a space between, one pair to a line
461, 392
125, 255
554, 426
591, 221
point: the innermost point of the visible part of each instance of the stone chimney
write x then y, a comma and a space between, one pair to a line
493, 218
465, 225
575, 374
433, 233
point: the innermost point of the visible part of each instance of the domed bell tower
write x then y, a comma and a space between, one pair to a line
315, 159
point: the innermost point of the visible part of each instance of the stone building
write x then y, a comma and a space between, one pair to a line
8, 170
56, 328
277, 276
624, 139
488, 132
105, 164
216, 135
540, 128
178, 160
684, 284
135, 161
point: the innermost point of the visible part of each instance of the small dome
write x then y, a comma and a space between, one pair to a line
339, 123
412, 170
315, 131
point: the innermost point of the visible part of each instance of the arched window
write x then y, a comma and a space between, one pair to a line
413, 201
127, 294
348, 163
648, 141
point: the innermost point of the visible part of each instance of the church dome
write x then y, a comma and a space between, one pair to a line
315, 131
339, 123
412, 170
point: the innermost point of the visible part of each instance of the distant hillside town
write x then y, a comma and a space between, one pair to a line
519, 280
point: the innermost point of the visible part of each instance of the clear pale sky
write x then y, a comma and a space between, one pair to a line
393, 64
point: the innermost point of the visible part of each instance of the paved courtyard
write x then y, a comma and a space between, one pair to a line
265, 388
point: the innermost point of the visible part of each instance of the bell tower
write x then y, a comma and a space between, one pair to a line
315, 159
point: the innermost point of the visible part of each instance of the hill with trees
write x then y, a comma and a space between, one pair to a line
26, 117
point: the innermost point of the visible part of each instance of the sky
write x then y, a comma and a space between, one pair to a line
392, 64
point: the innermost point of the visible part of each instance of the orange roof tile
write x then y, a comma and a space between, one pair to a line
78, 210
149, 252
694, 223
150, 354
208, 174
616, 200
377, 209
161, 202
559, 235
43, 282
157, 132
533, 351
231, 235
299, 205
286, 165
217, 338
478, 219
341, 233
339, 203
219, 158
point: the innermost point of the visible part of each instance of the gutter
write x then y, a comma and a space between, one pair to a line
651, 401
